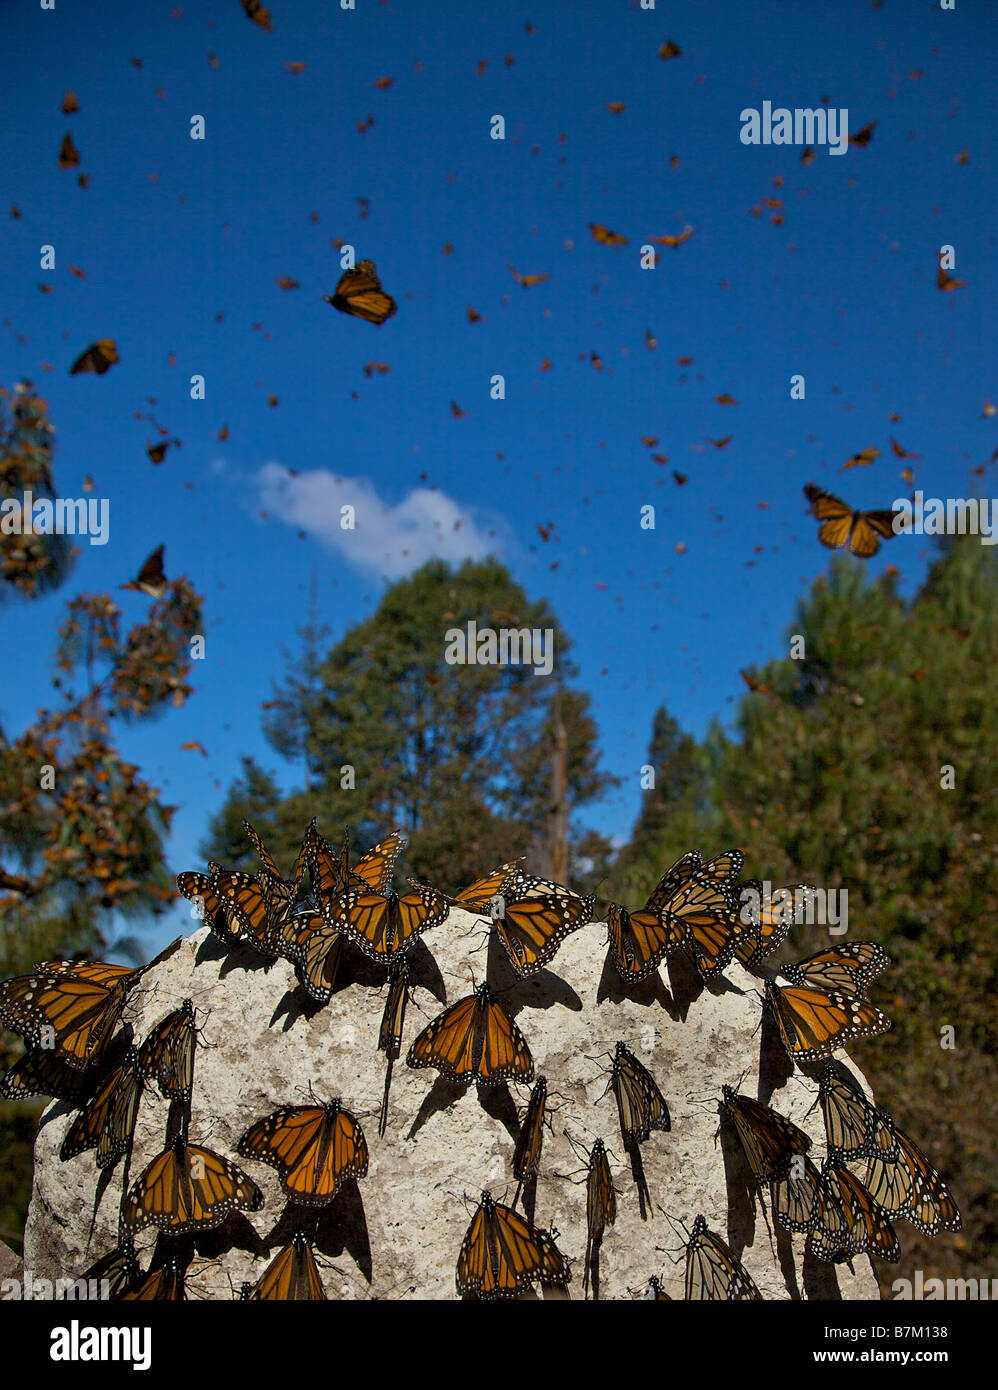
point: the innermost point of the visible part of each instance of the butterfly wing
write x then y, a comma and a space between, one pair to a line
167, 1055
847, 969
42, 1074
527, 1153
712, 1271
532, 928
187, 1189
640, 1104
767, 1137
292, 1275
908, 1187
81, 1012
796, 1194
601, 1200
107, 1121
641, 941
359, 293
377, 866
814, 1024
853, 1127
687, 866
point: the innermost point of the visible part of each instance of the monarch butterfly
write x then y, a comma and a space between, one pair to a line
331, 872
813, 1024
766, 919
768, 1138
384, 925
533, 918
42, 1074
694, 915
261, 905
605, 236
474, 1039
848, 969
359, 293
315, 952
108, 1119
119, 1267
601, 1198
908, 1187
162, 1285
640, 1104
392, 1023
75, 1008
314, 1148
477, 897
151, 578
842, 526
527, 1153
99, 357
527, 280
188, 1188
853, 1127
849, 1221
69, 155
211, 908
502, 1254
292, 1275
256, 12
712, 1271
796, 1194
654, 1291
167, 1055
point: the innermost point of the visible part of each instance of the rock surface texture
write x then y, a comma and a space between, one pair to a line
397, 1232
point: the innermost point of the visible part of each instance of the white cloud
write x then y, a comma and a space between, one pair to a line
389, 541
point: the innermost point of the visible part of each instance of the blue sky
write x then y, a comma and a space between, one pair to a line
171, 232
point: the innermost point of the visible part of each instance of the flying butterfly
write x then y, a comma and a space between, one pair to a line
99, 357
605, 237
474, 1040
814, 1024
854, 1128
712, 1271
107, 1121
256, 12
848, 969
188, 1188
849, 1220
502, 1254
641, 1106
151, 578
907, 1187
842, 526
359, 293
167, 1055
314, 1148
291, 1276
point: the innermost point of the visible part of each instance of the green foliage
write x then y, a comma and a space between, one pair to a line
457, 756
836, 778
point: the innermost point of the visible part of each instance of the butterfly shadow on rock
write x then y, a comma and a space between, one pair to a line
342, 1226
646, 992
441, 1096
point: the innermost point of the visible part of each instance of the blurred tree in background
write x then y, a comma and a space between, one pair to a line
457, 756
81, 832
838, 776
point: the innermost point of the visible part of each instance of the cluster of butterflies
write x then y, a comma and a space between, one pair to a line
67, 1013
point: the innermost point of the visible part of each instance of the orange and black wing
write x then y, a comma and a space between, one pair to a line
640, 1104
474, 1040
107, 1121
849, 1220
814, 1024
768, 1138
501, 1254
359, 293
527, 1153
315, 1150
292, 1275
63, 1012
712, 1271
847, 969
908, 1187
854, 1128
536, 918
188, 1188
601, 1198
167, 1055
